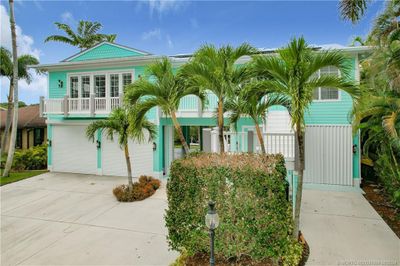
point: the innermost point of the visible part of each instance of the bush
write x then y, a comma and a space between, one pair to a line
146, 187
34, 158
249, 191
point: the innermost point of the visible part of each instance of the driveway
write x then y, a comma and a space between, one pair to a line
72, 219
342, 228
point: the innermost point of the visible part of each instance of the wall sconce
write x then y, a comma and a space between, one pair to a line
49, 142
355, 148
98, 144
154, 146
60, 83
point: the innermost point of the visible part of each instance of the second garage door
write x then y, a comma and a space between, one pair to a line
113, 158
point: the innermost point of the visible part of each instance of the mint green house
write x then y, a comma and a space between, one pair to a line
88, 85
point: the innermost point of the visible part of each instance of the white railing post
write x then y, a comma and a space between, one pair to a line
92, 104
65, 102
121, 99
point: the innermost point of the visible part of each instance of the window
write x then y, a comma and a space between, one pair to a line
326, 94
114, 85
85, 86
100, 86
38, 136
126, 79
18, 141
74, 87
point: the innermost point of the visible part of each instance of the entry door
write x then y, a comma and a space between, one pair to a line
329, 155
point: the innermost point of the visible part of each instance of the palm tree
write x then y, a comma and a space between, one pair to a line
164, 89
121, 123
11, 148
215, 69
6, 70
255, 106
353, 10
86, 35
292, 74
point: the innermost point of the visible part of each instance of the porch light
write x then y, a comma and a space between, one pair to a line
60, 83
154, 146
98, 144
49, 142
212, 222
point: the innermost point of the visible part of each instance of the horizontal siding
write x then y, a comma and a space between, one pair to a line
105, 51
54, 90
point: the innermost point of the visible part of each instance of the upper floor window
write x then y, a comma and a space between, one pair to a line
126, 79
85, 86
326, 94
74, 87
100, 86
114, 85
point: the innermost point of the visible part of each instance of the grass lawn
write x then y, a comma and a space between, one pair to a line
17, 176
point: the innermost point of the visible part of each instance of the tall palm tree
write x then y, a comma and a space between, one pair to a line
86, 35
215, 69
120, 123
164, 89
11, 148
255, 106
353, 10
292, 74
6, 70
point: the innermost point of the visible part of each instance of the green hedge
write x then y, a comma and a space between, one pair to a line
249, 191
34, 158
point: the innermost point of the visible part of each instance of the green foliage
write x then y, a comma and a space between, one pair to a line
34, 158
249, 191
6, 66
141, 190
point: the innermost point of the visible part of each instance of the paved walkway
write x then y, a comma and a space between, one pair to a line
342, 228
71, 219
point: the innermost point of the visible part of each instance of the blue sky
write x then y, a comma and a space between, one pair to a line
172, 27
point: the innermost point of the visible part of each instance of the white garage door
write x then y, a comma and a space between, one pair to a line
113, 158
72, 151
329, 155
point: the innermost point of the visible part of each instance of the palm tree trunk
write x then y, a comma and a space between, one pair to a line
260, 136
299, 190
221, 126
8, 118
180, 134
11, 148
128, 166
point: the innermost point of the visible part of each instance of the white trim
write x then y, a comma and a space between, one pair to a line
100, 44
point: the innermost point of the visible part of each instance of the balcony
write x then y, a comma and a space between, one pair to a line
190, 106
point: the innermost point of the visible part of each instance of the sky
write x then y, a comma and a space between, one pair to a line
168, 27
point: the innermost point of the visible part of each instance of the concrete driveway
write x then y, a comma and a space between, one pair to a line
342, 228
72, 219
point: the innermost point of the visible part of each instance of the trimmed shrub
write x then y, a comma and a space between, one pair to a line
249, 191
144, 188
34, 158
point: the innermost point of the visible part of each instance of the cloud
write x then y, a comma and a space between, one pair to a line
25, 44
68, 18
169, 42
152, 34
163, 6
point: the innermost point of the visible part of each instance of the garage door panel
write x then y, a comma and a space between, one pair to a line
113, 158
72, 151
328, 155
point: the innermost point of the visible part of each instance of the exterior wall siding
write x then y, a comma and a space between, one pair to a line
105, 51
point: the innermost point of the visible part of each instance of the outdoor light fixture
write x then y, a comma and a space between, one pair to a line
60, 83
212, 222
49, 142
154, 146
98, 144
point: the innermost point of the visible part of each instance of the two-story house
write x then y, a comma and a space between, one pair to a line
88, 85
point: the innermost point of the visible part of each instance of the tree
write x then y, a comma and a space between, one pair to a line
126, 125
255, 106
11, 148
292, 74
6, 70
353, 10
164, 89
215, 69
86, 35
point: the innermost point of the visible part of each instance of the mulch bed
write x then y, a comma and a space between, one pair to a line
202, 259
376, 196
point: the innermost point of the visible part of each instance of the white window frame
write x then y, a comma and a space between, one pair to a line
327, 100
91, 74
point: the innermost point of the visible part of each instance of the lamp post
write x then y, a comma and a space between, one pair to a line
212, 222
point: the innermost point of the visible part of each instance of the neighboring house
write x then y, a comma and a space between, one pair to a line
88, 85
32, 129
